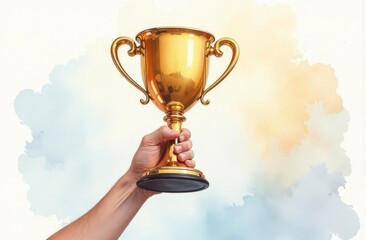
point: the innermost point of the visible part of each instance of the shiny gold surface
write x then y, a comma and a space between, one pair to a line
179, 170
218, 53
132, 52
174, 64
174, 67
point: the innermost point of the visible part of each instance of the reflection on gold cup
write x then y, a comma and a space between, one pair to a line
174, 64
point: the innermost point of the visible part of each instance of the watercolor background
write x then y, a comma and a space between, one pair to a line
281, 142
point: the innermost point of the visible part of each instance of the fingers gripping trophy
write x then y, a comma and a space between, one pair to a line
174, 65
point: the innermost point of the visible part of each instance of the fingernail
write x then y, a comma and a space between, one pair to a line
178, 148
182, 156
181, 138
188, 163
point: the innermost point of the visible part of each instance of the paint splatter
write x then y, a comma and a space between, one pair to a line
312, 209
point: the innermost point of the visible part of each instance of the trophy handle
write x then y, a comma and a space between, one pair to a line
218, 53
132, 52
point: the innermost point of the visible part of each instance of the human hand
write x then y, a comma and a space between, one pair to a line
112, 214
152, 148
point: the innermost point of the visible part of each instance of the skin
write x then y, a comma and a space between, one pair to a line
112, 214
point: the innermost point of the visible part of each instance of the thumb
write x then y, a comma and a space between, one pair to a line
159, 136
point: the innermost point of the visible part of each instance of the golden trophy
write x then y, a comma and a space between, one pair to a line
174, 66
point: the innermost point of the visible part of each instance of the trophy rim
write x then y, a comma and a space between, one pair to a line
170, 29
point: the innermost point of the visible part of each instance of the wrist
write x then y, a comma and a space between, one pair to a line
133, 177
129, 179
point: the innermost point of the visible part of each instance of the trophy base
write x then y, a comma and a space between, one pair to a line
173, 180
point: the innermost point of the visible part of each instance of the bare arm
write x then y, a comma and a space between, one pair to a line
110, 217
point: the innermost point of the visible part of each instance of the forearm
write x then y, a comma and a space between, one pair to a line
109, 218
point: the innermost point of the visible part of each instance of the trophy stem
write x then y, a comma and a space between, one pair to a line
174, 118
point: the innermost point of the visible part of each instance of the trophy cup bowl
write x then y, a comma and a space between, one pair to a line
174, 66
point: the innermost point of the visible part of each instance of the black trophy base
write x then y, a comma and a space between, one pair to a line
173, 182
